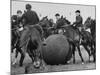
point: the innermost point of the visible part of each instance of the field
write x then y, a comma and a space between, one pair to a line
15, 69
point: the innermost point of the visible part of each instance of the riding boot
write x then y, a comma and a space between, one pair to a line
80, 54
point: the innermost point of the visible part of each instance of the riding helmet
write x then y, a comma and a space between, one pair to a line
57, 14
77, 11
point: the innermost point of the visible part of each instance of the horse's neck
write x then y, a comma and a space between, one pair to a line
72, 27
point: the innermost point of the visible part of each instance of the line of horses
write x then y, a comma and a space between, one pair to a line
32, 41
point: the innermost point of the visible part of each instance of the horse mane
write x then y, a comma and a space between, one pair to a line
39, 28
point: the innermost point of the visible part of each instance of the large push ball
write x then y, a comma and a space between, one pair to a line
56, 49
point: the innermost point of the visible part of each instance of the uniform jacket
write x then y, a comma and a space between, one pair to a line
78, 21
30, 18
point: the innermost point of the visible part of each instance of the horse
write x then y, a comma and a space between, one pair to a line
15, 36
43, 23
48, 26
73, 36
87, 42
77, 38
14, 32
90, 24
30, 43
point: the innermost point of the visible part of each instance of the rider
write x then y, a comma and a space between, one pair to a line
59, 22
30, 17
79, 20
16, 21
19, 15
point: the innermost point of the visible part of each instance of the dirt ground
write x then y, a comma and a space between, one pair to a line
15, 69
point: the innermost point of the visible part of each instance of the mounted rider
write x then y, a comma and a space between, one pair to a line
29, 18
79, 20
59, 23
16, 22
16, 19
15, 26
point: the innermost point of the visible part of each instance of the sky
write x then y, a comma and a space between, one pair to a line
50, 9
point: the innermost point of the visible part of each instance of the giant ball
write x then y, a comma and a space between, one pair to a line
56, 49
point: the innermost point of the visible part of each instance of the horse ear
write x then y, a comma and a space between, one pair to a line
89, 17
46, 17
62, 17
24, 11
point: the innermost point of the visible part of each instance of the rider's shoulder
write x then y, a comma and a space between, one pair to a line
79, 17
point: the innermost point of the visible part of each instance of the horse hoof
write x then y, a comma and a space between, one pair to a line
82, 62
68, 62
13, 63
37, 64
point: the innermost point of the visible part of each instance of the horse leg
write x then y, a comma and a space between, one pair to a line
94, 54
12, 48
94, 57
16, 54
38, 56
88, 51
73, 50
31, 54
93, 51
78, 47
31, 57
22, 57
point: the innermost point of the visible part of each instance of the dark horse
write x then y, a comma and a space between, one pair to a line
14, 32
48, 26
89, 38
45, 24
77, 38
24, 41
30, 41
73, 35
15, 35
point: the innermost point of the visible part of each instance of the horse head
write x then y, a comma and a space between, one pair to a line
44, 22
87, 23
